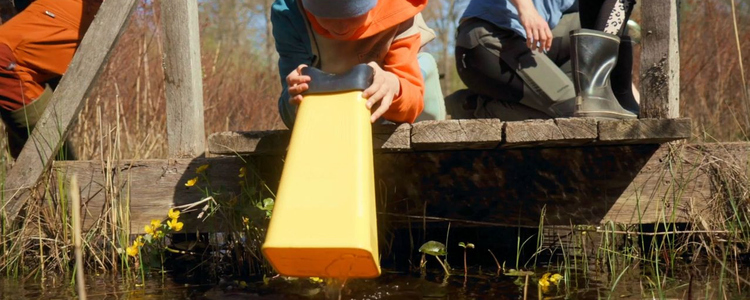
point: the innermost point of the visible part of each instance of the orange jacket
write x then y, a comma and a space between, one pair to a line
38, 44
295, 47
401, 58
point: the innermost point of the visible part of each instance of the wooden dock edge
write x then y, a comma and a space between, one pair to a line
678, 183
475, 134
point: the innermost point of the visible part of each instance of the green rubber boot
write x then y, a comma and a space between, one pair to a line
594, 55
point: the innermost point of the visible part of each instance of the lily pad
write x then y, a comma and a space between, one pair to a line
433, 248
518, 273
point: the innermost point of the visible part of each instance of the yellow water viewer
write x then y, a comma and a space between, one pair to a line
324, 218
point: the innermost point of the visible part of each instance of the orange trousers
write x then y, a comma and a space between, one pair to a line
37, 45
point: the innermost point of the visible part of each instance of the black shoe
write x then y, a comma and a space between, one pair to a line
622, 77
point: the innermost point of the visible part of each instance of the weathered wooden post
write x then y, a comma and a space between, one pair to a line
66, 103
184, 83
660, 59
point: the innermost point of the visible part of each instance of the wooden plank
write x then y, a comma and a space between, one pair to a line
624, 184
253, 142
568, 132
660, 59
457, 134
67, 101
155, 186
391, 137
644, 131
385, 138
186, 135
475, 134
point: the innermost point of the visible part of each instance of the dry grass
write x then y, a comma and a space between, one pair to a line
241, 84
125, 118
240, 91
711, 88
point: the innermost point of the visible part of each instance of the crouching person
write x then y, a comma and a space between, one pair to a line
335, 35
36, 46
515, 58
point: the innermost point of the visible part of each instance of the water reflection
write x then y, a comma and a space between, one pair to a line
634, 283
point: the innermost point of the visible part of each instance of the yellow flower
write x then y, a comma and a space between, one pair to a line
201, 169
543, 282
173, 213
315, 280
174, 225
132, 250
242, 172
245, 220
155, 223
138, 241
158, 234
191, 182
556, 279
148, 229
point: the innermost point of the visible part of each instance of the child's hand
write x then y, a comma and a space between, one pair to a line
297, 84
385, 86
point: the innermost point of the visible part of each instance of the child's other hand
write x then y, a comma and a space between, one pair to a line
297, 84
385, 86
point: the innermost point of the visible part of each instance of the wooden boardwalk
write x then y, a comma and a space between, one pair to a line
474, 172
628, 178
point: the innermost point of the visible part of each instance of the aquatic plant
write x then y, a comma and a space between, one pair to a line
436, 249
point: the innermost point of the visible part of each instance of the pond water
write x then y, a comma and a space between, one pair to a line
633, 283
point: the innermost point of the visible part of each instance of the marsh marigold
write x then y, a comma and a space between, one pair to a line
174, 225
173, 214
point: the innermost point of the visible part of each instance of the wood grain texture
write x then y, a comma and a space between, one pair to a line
249, 142
626, 184
475, 134
457, 134
568, 132
394, 137
183, 75
660, 59
66, 103
155, 186
644, 130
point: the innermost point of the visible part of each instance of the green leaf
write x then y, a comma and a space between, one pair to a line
470, 246
266, 205
462, 245
433, 248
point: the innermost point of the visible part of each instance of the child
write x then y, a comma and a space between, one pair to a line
335, 35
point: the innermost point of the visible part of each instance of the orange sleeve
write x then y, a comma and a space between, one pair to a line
402, 61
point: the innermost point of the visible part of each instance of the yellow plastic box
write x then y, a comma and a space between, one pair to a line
324, 218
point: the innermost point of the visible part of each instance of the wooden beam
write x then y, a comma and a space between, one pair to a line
66, 103
246, 142
564, 132
644, 131
626, 184
660, 59
394, 137
153, 186
457, 134
476, 134
184, 81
